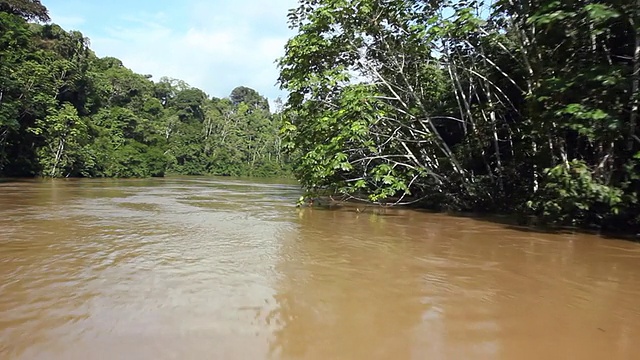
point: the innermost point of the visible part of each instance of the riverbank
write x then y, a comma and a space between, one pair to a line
523, 222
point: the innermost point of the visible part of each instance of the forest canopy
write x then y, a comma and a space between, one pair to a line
515, 106
524, 107
65, 112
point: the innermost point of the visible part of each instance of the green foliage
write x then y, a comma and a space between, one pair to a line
66, 112
27, 9
463, 105
571, 195
64, 134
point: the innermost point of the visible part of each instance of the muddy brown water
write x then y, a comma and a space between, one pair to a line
212, 268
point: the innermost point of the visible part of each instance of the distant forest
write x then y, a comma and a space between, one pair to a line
64, 112
527, 107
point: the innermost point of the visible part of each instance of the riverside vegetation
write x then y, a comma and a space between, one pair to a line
510, 106
64, 112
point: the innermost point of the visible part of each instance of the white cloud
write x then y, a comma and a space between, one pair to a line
215, 47
68, 22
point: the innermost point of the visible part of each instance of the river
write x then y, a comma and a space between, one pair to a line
216, 268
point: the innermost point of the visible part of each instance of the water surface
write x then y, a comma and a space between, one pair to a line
213, 268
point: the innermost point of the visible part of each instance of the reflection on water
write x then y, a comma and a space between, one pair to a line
227, 268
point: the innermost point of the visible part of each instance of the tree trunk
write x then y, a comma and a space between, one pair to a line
636, 81
58, 157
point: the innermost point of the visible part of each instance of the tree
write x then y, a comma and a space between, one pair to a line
66, 112
252, 98
468, 105
14, 48
65, 134
27, 9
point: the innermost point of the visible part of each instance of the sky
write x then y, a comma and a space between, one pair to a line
214, 45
